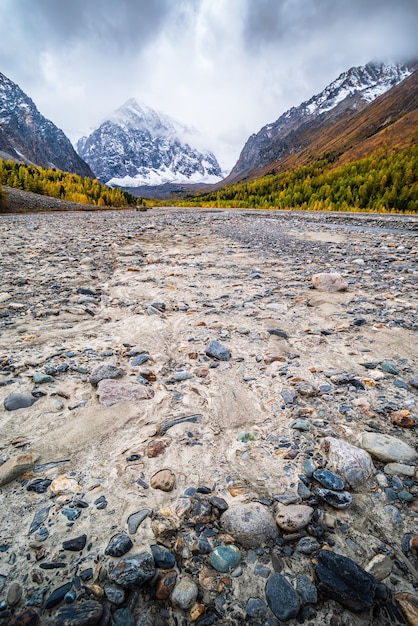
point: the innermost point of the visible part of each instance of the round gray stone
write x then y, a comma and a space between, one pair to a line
250, 524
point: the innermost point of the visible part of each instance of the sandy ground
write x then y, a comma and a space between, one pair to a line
214, 285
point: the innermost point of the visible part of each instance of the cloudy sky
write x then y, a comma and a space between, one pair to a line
227, 67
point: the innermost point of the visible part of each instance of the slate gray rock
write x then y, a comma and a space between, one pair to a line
163, 557
336, 499
343, 580
306, 589
250, 524
133, 571
76, 544
282, 599
103, 372
119, 545
184, 593
217, 351
328, 479
136, 519
86, 613
16, 401
57, 596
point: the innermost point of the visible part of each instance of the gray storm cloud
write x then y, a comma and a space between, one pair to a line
226, 67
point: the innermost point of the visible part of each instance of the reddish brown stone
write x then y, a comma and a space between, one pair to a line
201, 372
408, 604
156, 448
402, 418
166, 585
28, 617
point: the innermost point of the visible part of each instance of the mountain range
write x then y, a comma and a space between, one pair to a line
311, 129
141, 149
139, 146
26, 135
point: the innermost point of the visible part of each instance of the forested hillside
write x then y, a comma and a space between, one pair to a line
384, 182
58, 184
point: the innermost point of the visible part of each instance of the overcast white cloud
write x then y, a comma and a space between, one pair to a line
226, 67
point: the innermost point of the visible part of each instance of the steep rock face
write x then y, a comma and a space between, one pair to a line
26, 135
350, 92
140, 146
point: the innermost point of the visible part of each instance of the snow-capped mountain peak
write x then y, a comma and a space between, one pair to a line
26, 135
368, 81
353, 89
137, 145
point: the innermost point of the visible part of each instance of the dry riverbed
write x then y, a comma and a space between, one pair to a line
163, 370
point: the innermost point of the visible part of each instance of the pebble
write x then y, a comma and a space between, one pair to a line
39, 378
15, 401
217, 351
256, 607
14, 594
281, 597
307, 545
76, 544
249, 524
64, 485
388, 448
306, 589
103, 372
380, 566
57, 596
163, 557
409, 606
395, 469
133, 571
328, 479
164, 480
184, 593
353, 464
119, 545
336, 499
329, 281
112, 392
114, 594
166, 585
136, 519
341, 579
225, 558
86, 613
293, 517
15, 467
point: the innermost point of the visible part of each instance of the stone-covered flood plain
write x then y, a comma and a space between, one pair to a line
194, 431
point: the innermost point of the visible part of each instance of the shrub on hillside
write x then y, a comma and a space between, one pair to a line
3, 199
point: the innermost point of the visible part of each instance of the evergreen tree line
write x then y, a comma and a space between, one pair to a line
58, 184
382, 182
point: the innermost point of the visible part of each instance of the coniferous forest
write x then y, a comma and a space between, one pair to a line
382, 182
63, 185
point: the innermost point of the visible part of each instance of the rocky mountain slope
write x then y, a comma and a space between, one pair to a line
26, 135
352, 92
140, 146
